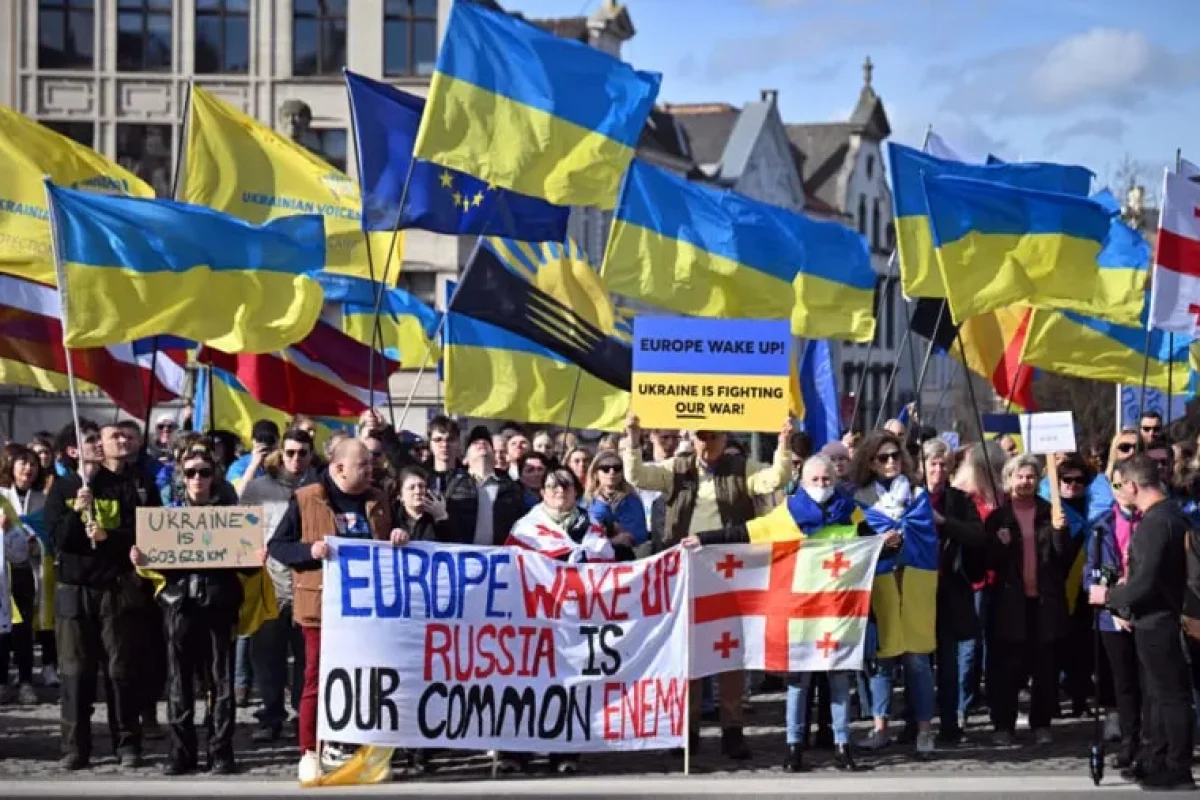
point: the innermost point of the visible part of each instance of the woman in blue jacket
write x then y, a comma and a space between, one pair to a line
614, 503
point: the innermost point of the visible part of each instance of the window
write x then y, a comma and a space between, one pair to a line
409, 37
145, 150
889, 316
870, 167
318, 37
876, 242
65, 32
421, 285
862, 214
891, 236
82, 132
328, 143
143, 35
222, 36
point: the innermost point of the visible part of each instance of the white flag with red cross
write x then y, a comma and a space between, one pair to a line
796, 606
1175, 289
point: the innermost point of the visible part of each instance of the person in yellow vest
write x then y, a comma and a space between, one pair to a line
706, 489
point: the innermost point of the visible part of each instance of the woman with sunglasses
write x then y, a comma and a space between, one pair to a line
1107, 553
880, 473
1029, 621
20, 486
200, 609
613, 502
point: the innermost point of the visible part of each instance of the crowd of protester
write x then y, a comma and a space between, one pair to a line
1027, 572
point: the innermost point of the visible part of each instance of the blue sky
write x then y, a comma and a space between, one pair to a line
1080, 81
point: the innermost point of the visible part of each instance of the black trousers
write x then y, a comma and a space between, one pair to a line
1170, 718
152, 665
200, 643
1011, 664
1076, 655
1122, 660
18, 643
97, 628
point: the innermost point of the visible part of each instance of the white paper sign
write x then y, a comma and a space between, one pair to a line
483, 648
1052, 432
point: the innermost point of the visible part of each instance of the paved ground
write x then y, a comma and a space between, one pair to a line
29, 750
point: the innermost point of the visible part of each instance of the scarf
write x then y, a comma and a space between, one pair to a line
811, 517
546, 532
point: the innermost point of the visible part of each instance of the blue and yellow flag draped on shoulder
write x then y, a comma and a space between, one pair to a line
999, 245
29, 153
437, 199
133, 268
799, 517
712, 253
237, 165
919, 272
407, 324
904, 595
532, 112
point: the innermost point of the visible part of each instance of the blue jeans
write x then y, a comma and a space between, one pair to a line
270, 648
243, 673
708, 695
983, 607
918, 680
956, 668
797, 705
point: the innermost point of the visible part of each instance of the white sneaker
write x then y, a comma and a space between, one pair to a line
876, 741
26, 696
1112, 727
310, 768
50, 676
925, 743
1023, 721
333, 755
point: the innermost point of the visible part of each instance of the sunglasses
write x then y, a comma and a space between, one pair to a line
1151, 428
608, 468
201, 472
1073, 480
1117, 485
167, 426
301, 453
891, 455
1126, 447
376, 453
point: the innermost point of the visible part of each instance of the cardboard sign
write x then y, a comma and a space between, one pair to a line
711, 374
204, 537
1053, 432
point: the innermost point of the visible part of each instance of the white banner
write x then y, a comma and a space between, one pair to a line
483, 648
782, 607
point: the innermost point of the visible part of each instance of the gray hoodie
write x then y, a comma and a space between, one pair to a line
273, 494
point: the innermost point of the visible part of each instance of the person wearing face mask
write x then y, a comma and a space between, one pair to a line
706, 489
816, 510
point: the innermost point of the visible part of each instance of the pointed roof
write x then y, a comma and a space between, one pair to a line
868, 114
707, 127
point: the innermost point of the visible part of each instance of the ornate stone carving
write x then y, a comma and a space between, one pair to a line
294, 119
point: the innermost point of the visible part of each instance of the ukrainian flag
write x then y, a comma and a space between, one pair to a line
237, 165
1066, 343
532, 112
495, 374
17, 373
31, 152
998, 245
919, 273
904, 595
702, 251
407, 324
133, 268
814, 392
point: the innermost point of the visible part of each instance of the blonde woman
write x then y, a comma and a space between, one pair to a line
614, 503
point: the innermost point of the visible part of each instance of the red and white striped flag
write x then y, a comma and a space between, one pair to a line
784, 607
538, 532
1175, 291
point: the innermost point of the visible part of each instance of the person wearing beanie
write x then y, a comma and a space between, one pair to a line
483, 503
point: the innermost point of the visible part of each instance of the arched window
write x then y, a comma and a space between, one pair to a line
876, 243
862, 214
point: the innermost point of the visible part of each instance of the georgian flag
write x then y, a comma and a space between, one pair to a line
798, 606
1175, 289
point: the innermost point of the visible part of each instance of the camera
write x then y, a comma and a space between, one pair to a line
1106, 575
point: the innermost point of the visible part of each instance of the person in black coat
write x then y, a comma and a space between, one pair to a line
960, 565
418, 511
481, 492
1031, 557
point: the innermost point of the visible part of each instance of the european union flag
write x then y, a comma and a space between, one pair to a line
439, 199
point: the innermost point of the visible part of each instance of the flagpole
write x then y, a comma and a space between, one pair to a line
574, 394
212, 402
687, 705
61, 279
987, 461
1117, 412
925, 363
1171, 336
1012, 389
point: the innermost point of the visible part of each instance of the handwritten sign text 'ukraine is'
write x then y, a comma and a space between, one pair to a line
711, 374
200, 537
484, 648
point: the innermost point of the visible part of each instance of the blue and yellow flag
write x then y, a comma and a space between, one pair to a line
549, 294
437, 198
904, 595
919, 272
697, 250
237, 165
532, 112
799, 517
816, 389
407, 324
1066, 343
1000, 245
495, 374
133, 268
31, 152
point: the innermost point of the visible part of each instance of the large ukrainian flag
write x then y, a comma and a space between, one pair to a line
904, 595
529, 111
998, 245
132, 268
30, 152
237, 165
697, 250
1067, 343
919, 273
